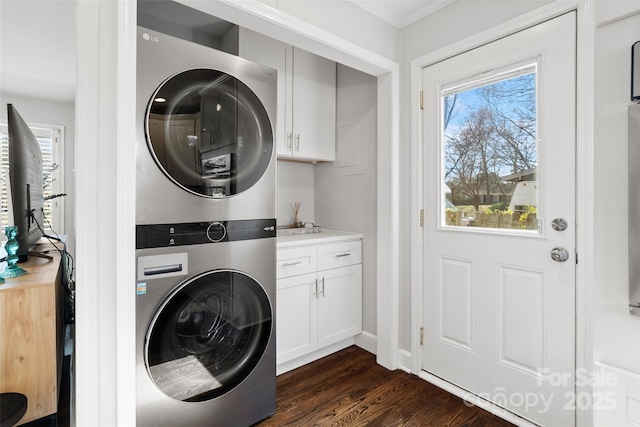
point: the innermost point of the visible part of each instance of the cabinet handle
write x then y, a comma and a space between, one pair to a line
314, 294
322, 291
289, 140
342, 255
297, 142
287, 264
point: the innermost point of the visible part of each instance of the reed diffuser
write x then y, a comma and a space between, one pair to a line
295, 209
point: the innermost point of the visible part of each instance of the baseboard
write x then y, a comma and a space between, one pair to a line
318, 354
404, 358
367, 341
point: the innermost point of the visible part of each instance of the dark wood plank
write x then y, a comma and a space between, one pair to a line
348, 388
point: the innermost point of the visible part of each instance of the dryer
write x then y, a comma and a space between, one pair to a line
205, 142
205, 341
205, 243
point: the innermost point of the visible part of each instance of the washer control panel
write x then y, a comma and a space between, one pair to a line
194, 233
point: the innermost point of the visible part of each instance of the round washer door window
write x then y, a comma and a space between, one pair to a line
208, 335
209, 133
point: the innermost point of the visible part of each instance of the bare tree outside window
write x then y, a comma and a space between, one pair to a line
490, 142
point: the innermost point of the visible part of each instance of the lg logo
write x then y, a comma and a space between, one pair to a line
150, 38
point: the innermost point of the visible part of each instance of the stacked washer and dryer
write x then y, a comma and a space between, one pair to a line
205, 236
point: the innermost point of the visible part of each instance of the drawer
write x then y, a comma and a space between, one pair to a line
339, 255
293, 262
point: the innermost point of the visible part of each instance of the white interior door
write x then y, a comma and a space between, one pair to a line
499, 311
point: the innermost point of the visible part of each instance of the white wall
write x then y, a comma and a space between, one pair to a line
346, 199
616, 333
60, 114
444, 27
295, 183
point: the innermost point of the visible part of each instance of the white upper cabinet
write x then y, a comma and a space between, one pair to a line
314, 107
306, 122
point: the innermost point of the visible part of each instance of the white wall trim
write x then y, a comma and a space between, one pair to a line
105, 170
269, 21
88, 397
388, 216
417, 204
125, 213
313, 356
585, 171
406, 362
273, 23
367, 341
585, 199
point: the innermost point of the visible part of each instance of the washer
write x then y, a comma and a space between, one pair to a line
205, 142
205, 242
205, 344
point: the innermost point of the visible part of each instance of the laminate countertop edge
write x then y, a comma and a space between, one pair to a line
325, 236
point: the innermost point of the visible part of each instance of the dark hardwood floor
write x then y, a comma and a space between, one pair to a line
348, 388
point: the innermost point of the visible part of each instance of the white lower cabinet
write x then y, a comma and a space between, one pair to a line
339, 300
297, 317
316, 310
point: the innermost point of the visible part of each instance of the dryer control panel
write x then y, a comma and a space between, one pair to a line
195, 233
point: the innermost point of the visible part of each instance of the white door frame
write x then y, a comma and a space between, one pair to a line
105, 171
584, 180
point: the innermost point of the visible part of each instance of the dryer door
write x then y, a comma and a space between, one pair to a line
209, 133
208, 335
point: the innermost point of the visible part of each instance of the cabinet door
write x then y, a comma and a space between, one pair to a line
339, 304
296, 317
279, 56
314, 106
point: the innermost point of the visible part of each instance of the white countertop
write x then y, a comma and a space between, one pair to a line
325, 236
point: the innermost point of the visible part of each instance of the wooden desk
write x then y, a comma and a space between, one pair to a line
32, 334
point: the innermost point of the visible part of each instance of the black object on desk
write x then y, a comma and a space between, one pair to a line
12, 408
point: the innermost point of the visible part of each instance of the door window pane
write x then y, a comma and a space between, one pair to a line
490, 151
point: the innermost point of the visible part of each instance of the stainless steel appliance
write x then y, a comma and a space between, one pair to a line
205, 209
205, 344
205, 134
634, 209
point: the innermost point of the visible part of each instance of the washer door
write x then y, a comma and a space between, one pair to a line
208, 335
209, 133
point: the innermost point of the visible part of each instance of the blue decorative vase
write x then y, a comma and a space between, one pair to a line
12, 269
